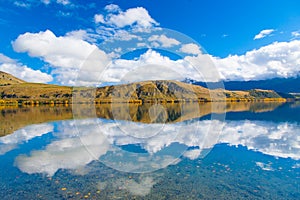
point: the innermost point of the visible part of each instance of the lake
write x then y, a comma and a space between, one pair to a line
238, 150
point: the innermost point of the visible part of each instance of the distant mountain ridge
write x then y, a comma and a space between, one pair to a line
283, 85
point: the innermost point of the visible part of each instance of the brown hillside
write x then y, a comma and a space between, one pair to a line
16, 91
165, 90
8, 79
34, 91
153, 90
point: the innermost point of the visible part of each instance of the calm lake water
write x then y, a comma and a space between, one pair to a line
232, 151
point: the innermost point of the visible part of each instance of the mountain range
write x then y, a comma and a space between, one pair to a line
169, 91
281, 85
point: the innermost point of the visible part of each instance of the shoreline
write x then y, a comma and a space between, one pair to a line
134, 101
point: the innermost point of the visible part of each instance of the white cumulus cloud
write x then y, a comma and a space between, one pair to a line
280, 59
23, 72
67, 54
99, 18
112, 8
85, 35
133, 16
5, 59
164, 40
62, 51
150, 66
190, 48
134, 21
263, 33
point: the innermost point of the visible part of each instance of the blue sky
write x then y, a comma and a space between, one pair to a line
227, 30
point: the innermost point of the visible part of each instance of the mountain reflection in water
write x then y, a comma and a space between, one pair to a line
14, 118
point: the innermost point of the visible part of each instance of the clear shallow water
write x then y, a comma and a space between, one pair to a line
255, 156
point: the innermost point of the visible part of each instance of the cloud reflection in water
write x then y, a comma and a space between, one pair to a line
99, 139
